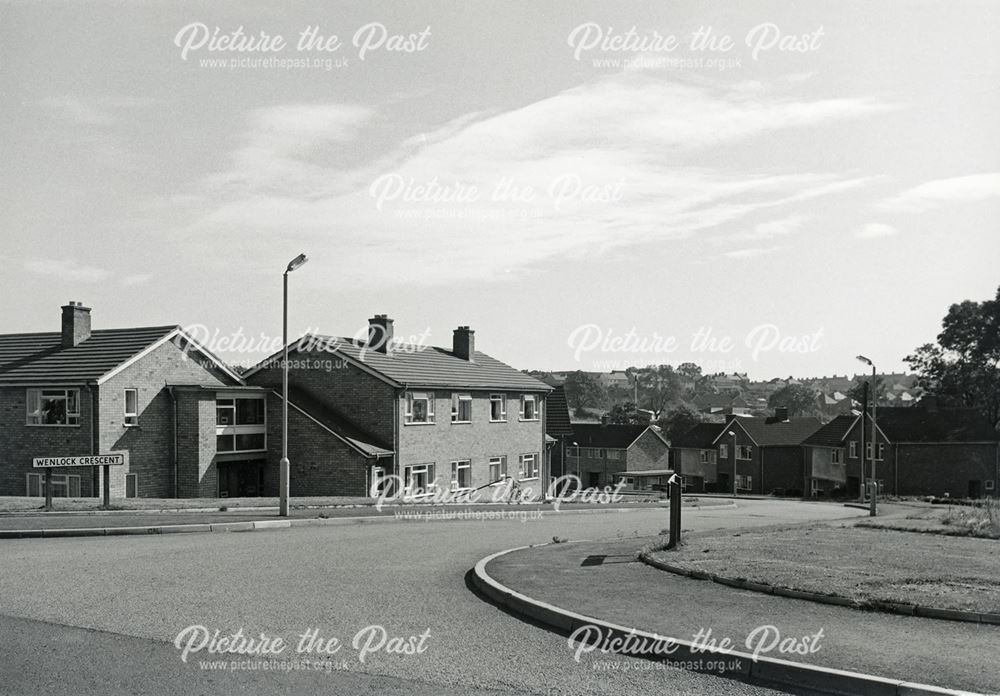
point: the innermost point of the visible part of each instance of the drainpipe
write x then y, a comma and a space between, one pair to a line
173, 402
895, 468
94, 419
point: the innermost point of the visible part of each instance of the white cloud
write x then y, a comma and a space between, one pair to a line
750, 253
66, 270
933, 194
874, 230
774, 228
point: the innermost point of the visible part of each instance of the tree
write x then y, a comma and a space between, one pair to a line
860, 390
583, 391
627, 414
963, 367
659, 387
677, 422
798, 399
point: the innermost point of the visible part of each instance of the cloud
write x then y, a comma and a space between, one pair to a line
933, 194
66, 270
750, 253
136, 279
615, 162
769, 230
98, 111
873, 230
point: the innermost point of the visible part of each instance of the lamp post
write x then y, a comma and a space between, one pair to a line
284, 468
874, 481
732, 434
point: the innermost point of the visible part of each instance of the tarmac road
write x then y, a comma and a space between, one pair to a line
99, 615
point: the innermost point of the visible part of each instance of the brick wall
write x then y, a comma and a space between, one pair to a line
197, 475
647, 453
781, 467
942, 469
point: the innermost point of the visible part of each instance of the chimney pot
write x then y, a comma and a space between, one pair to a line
380, 333
464, 343
75, 324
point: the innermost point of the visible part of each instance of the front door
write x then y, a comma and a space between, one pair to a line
974, 490
593, 479
241, 479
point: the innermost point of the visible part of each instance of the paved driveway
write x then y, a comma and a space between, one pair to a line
132, 596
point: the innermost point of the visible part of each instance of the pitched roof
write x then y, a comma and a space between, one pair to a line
917, 424
700, 436
557, 414
355, 437
429, 366
39, 358
775, 433
833, 433
613, 436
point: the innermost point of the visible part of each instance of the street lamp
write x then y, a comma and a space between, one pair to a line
874, 480
283, 467
732, 433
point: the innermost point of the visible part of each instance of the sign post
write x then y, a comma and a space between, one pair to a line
674, 484
105, 461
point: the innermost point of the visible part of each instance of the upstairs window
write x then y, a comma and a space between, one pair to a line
744, 452
852, 449
53, 407
419, 407
498, 408
835, 456
131, 407
724, 451
239, 424
461, 408
529, 407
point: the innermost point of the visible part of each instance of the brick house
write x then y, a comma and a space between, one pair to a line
694, 456
78, 392
765, 455
924, 450
825, 455
603, 454
452, 418
558, 430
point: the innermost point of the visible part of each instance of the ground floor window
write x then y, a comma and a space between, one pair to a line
419, 478
461, 475
744, 483
529, 466
63, 486
131, 485
498, 469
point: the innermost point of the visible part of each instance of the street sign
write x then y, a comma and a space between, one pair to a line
110, 459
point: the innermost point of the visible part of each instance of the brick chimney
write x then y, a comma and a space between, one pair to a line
380, 333
781, 413
463, 343
75, 324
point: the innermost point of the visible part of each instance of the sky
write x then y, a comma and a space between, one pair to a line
763, 187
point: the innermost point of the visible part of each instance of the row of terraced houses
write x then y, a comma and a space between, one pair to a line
364, 411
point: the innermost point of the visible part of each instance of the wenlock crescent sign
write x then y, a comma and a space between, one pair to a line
116, 459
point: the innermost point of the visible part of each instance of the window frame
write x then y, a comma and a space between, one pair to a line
457, 465
500, 462
135, 479
536, 407
744, 449
522, 459
836, 455
38, 398
852, 449
409, 399
745, 478
427, 468
130, 419
723, 450
456, 406
234, 429
502, 399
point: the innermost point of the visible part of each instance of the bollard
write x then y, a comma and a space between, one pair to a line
674, 485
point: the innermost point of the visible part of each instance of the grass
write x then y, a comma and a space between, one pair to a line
856, 562
980, 519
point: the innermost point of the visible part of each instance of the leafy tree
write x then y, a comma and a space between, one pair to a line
963, 367
627, 414
583, 391
860, 390
678, 421
797, 398
659, 387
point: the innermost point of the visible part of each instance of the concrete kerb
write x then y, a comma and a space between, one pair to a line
765, 588
737, 665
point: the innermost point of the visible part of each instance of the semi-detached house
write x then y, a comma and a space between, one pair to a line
438, 418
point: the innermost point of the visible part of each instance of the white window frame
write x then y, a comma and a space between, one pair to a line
456, 468
66, 483
852, 449
704, 456
412, 397
33, 417
426, 468
746, 480
130, 418
502, 400
536, 407
881, 451
613, 454
744, 449
457, 399
501, 475
723, 451
835, 455
135, 479
524, 459
233, 429
989, 485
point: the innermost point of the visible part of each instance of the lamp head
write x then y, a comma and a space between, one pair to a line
296, 262
731, 433
866, 360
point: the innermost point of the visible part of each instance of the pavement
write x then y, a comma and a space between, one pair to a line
99, 615
606, 581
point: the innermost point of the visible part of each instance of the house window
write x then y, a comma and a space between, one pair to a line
835, 456
613, 454
63, 485
461, 408
572, 451
53, 407
744, 452
853, 449
990, 484
881, 451
131, 407
724, 451
744, 483
529, 466
419, 478
419, 407
498, 469
704, 456
529, 407
240, 424
131, 486
498, 408
461, 475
